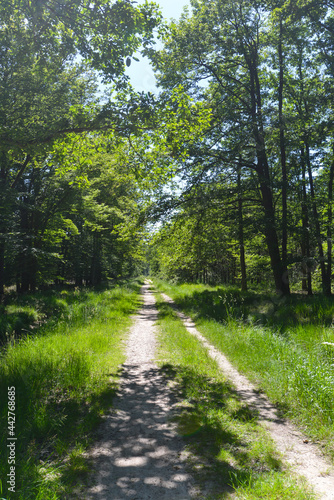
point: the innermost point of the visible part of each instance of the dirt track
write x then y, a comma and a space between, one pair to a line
139, 455
304, 457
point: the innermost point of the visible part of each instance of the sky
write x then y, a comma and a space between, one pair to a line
141, 74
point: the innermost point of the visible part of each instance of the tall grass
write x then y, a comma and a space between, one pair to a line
65, 375
230, 454
280, 343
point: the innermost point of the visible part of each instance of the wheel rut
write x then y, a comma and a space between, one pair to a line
139, 453
304, 457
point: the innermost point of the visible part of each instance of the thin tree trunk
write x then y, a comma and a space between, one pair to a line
282, 149
241, 234
305, 224
96, 274
316, 221
329, 231
2, 266
3, 228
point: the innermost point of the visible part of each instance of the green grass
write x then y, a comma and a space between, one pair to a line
65, 374
277, 343
227, 448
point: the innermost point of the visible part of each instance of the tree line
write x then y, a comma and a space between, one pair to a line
234, 157
67, 200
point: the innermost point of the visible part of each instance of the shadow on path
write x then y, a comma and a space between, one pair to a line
138, 456
139, 451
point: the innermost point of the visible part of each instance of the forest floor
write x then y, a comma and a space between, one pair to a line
140, 455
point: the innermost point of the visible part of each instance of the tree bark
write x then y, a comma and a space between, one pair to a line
3, 225
328, 290
316, 221
305, 245
282, 149
2, 265
96, 274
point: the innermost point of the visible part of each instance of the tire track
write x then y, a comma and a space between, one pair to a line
304, 457
139, 454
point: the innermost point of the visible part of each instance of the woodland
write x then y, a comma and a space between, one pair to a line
218, 185
224, 175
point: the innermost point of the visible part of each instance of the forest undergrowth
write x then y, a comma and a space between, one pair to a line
62, 364
284, 345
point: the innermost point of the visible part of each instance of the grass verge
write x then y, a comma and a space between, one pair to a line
282, 349
229, 452
64, 377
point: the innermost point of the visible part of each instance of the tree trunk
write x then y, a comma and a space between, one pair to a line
96, 274
23, 257
328, 290
241, 234
2, 265
305, 245
282, 150
3, 228
278, 267
316, 222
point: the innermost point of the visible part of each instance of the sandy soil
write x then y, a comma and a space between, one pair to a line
139, 455
304, 457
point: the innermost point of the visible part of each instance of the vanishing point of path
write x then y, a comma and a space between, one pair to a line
139, 455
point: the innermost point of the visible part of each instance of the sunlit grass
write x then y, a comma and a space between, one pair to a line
283, 350
65, 376
228, 449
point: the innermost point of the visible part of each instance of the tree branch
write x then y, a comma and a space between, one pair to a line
21, 171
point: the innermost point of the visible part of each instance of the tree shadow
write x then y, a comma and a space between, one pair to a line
51, 424
138, 452
31, 313
214, 423
269, 310
136, 455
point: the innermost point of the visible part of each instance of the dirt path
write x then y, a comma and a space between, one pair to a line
304, 457
139, 455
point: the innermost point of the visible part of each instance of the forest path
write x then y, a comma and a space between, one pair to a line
139, 455
304, 457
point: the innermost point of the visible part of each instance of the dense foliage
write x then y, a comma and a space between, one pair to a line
256, 187
63, 188
234, 157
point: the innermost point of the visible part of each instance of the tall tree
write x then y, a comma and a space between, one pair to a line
218, 55
45, 94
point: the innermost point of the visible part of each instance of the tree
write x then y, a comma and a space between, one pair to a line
51, 57
223, 44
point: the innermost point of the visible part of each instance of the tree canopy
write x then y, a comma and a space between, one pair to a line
54, 56
233, 158
263, 71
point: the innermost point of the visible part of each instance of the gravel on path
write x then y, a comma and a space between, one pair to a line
139, 454
304, 457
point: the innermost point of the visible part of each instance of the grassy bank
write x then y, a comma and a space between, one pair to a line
277, 343
64, 373
228, 449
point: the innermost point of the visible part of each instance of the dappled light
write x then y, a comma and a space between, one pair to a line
138, 446
215, 187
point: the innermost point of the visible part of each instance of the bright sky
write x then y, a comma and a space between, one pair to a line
171, 8
141, 74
